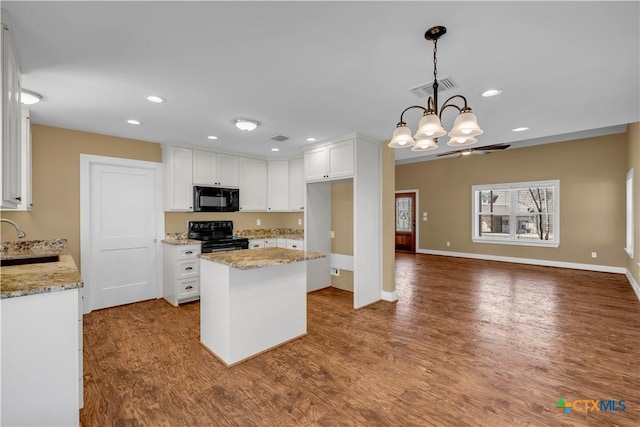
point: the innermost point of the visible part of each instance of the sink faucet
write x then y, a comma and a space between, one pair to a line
20, 233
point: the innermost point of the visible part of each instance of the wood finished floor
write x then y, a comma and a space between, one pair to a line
469, 343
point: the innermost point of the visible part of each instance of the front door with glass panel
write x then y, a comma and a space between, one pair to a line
406, 222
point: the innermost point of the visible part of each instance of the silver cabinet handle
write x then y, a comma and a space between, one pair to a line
189, 287
189, 268
188, 252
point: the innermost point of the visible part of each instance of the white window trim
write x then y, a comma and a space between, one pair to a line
630, 214
511, 185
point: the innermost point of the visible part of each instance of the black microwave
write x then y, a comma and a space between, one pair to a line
214, 199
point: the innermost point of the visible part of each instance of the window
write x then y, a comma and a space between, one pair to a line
521, 213
629, 246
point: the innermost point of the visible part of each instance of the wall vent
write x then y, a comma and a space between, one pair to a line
425, 90
279, 138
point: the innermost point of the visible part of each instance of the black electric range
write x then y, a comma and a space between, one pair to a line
216, 236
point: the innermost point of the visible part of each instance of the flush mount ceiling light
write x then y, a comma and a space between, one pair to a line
491, 92
156, 99
520, 129
430, 127
28, 97
212, 137
275, 149
311, 139
133, 122
245, 124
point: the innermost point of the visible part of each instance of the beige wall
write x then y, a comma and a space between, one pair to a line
342, 226
633, 161
592, 197
56, 180
176, 222
388, 218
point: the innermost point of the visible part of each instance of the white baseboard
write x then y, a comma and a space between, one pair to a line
633, 282
541, 262
390, 296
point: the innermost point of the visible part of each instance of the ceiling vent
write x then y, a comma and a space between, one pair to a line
426, 90
279, 138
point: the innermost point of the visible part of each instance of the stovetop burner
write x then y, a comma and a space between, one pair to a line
216, 236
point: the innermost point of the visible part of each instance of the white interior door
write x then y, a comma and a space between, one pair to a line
123, 203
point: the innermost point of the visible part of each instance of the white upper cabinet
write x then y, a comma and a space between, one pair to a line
253, 184
10, 187
329, 162
178, 185
278, 181
296, 185
215, 169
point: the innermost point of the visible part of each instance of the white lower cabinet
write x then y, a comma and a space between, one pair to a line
256, 243
41, 359
181, 273
295, 244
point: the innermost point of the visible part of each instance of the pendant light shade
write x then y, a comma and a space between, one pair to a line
401, 137
461, 141
466, 124
424, 145
429, 127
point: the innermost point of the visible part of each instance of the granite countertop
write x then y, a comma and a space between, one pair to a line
248, 259
271, 233
179, 242
31, 279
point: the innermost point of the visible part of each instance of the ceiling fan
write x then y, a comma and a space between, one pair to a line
487, 149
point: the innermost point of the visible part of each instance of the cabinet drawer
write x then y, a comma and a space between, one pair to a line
256, 243
295, 244
188, 288
188, 252
188, 268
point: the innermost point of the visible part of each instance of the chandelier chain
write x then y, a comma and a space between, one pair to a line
435, 61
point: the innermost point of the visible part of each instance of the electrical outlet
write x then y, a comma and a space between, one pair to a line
594, 254
335, 271
448, 243
258, 222
333, 234
299, 221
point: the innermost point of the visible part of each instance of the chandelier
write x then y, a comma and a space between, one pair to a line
465, 126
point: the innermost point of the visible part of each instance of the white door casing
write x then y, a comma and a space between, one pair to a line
121, 225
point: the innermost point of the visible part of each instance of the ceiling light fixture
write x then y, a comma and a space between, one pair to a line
156, 99
246, 125
491, 92
212, 137
275, 149
28, 97
133, 122
520, 129
311, 139
430, 127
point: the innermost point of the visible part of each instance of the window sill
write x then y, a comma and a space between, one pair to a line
519, 243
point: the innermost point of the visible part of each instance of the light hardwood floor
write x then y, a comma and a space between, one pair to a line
469, 343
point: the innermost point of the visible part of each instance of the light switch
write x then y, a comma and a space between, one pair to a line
258, 222
299, 221
333, 234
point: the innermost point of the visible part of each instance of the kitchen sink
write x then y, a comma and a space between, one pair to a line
32, 260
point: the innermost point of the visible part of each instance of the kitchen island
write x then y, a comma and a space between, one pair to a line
41, 334
252, 300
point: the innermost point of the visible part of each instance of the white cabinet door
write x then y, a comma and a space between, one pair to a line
178, 182
278, 181
282, 242
11, 123
315, 164
296, 185
214, 169
295, 244
227, 170
340, 160
329, 162
271, 243
203, 168
256, 243
253, 185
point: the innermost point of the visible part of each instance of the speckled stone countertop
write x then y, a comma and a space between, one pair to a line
271, 233
180, 242
31, 279
248, 259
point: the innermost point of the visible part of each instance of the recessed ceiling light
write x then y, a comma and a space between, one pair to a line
491, 92
28, 97
275, 149
133, 122
520, 129
246, 125
156, 99
212, 137
310, 139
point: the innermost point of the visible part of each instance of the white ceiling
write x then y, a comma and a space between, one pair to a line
325, 69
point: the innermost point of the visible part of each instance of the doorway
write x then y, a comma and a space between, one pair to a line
121, 219
406, 221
